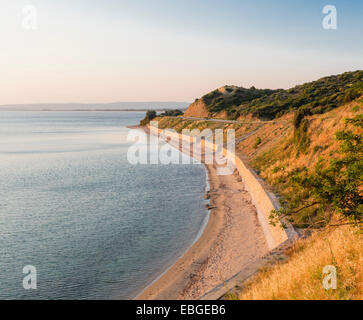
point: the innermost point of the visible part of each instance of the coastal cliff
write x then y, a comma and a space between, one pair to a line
197, 109
285, 155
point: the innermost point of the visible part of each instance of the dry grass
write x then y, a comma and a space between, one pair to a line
278, 156
275, 158
277, 147
300, 278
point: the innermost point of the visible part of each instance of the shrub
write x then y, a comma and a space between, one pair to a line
172, 113
300, 115
150, 115
257, 143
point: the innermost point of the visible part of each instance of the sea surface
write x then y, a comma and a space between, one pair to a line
93, 225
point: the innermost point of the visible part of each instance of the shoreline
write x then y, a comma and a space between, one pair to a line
231, 238
197, 237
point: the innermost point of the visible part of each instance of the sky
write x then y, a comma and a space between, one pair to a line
93, 51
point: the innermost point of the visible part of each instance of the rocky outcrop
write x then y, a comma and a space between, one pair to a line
197, 109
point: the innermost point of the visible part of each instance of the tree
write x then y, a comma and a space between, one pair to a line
150, 115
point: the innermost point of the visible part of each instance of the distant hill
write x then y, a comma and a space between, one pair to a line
154, 105
225, 99
319, 96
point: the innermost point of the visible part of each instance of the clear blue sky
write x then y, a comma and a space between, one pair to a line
143, 50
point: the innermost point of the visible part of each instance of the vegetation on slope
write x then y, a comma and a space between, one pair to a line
333, 187
178, 124
232, 98
320, 186
301, 276
172, 113
312, 159
313, 162
308, 157
150, 115
316, 167
319, 96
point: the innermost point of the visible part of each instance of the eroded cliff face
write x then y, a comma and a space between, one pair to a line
197, 109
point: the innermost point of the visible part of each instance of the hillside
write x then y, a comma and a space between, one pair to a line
285, 153
277, 150
225, 100
323, 95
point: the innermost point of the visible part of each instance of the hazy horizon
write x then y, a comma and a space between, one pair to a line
134, 105
74, 106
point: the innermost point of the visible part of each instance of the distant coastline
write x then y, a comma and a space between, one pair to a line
114, 106
84, 110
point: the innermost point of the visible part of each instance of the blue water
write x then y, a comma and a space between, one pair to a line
93, 225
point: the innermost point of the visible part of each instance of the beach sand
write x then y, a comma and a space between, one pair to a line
232, 239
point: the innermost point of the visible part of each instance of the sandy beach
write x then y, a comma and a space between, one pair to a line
232, 239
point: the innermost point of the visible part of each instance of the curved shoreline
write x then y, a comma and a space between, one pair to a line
231, 239
197, 237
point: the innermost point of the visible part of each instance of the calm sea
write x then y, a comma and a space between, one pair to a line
93, 225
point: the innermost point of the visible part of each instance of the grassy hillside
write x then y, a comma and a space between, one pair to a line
281, 154
230, 98
290, 147
301, 276
285, 151
282, 149
320, 96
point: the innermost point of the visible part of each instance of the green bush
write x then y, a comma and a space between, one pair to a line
257, 142
331, 187
300, 115
172, 113
150, 115
320, 96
